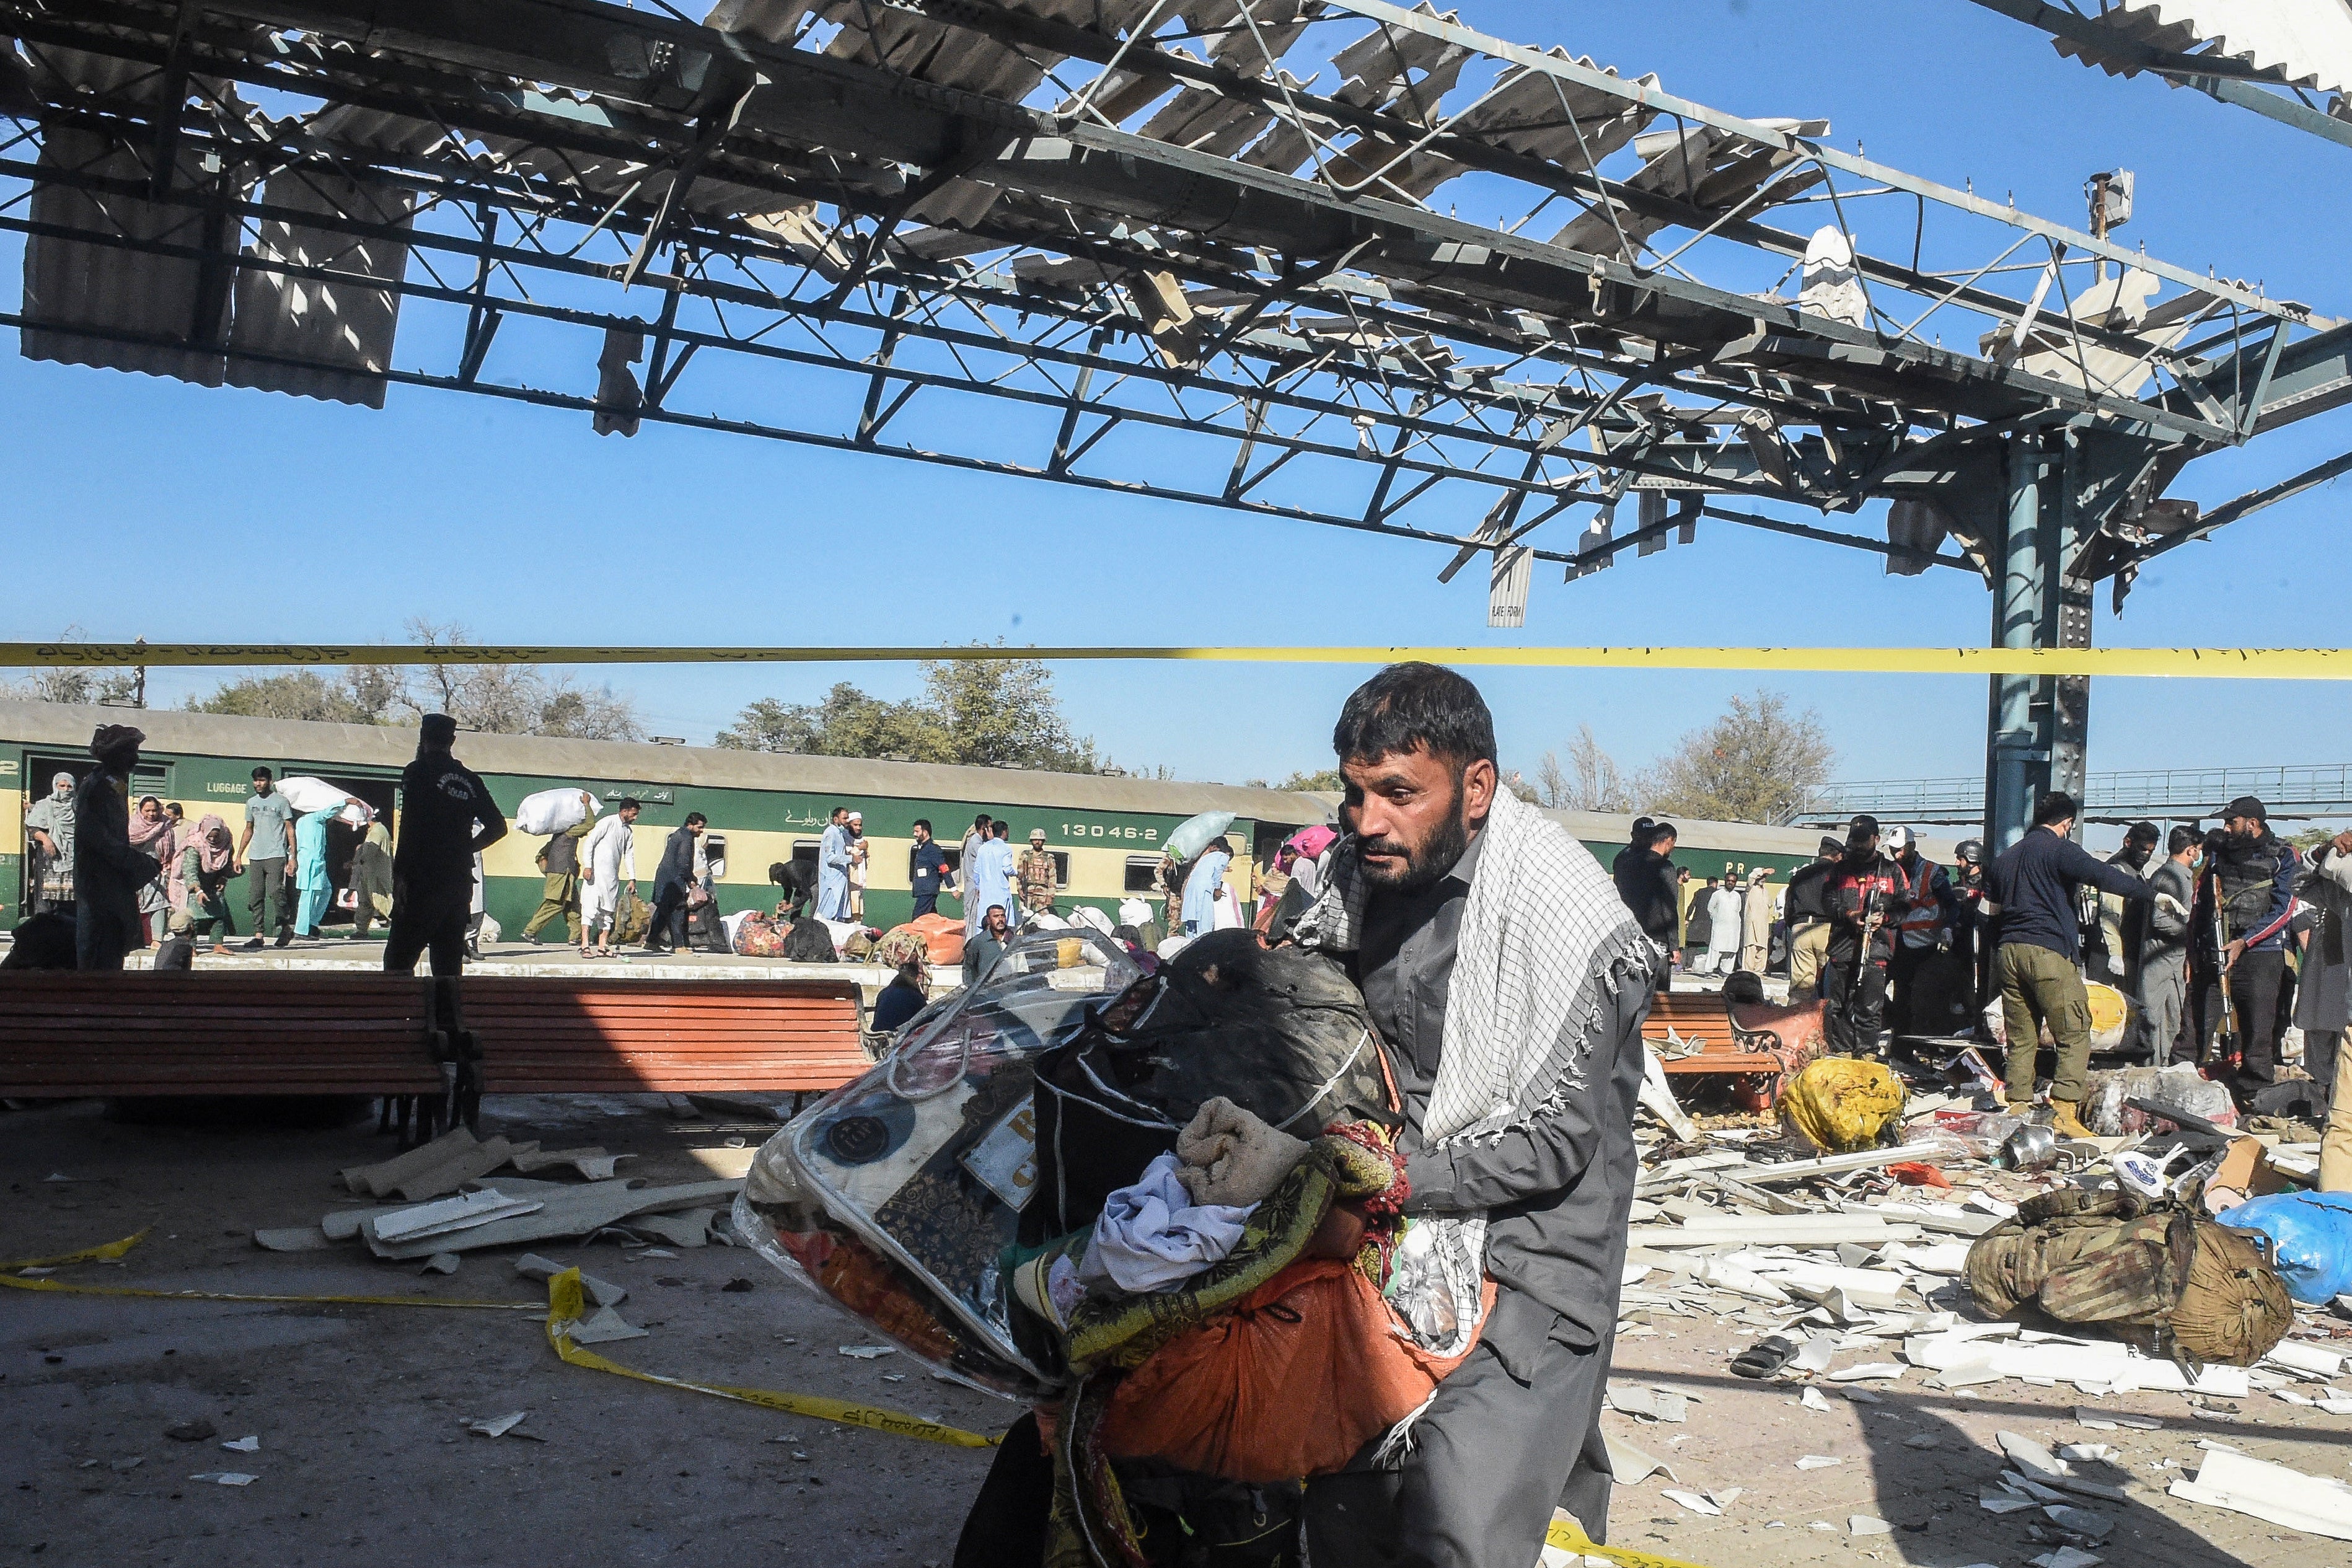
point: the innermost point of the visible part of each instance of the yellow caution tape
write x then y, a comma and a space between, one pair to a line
64, 1289
2209, 663
1568, 1538
564, 1308
106, 1253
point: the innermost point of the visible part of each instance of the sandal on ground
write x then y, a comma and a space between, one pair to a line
1765, 1357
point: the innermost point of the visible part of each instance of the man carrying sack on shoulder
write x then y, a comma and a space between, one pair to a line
1509, 982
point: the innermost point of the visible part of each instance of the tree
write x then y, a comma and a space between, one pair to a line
1590, 782
1327, 781
1003, 712
297, 694
499, 699
73, 684
975, 712
1752, 765
846, 723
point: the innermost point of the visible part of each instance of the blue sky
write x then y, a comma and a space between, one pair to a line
141, 507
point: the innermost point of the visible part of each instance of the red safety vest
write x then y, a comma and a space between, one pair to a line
1923, 924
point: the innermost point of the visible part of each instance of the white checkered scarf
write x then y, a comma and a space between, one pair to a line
1544, 944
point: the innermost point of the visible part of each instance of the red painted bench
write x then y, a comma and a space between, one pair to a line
438, 1045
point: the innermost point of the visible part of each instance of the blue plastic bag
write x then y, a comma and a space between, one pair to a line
2311, 1237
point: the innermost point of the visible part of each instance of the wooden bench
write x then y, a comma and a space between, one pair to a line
431, 1047
1759, 1043
664, 1036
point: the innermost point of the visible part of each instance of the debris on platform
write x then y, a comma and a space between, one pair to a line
2320, 1505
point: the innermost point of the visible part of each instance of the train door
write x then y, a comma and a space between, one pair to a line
41, 769
343, 839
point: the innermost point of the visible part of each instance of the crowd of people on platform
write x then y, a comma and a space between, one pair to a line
2221, 941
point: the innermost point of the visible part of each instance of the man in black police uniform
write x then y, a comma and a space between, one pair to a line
1514, 1429
447, 817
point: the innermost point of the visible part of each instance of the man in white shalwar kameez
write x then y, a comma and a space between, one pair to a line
608, 862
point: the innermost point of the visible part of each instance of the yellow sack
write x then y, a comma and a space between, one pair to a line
1837, 1104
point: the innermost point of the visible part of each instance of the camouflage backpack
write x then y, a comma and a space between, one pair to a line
2160, 1276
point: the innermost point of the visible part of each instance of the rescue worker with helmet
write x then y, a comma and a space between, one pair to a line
2255, 872
1923, 990
1867, 895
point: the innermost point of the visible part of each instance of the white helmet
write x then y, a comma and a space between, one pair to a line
1898, 843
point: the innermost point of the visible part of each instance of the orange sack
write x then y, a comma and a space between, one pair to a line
1310, 1367
944, 935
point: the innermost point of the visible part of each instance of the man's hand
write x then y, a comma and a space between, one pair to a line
2231, 953
2166, 902
2342, 843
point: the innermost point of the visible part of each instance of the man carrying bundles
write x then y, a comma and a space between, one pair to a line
1366, 1282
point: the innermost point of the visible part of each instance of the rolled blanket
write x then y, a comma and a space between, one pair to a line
1228, 1156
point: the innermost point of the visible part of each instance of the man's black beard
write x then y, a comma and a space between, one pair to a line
1423, 866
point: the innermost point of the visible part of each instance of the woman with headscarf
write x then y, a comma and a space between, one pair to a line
372, 880
149, 834
205, 860
49, 842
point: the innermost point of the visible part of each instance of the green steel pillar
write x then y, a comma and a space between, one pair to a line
2038, 727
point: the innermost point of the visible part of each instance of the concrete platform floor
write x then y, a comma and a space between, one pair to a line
364, 1461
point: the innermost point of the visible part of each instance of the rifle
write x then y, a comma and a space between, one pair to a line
2225, 1047
1874, 915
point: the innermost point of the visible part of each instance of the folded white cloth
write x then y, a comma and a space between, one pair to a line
1152, 1237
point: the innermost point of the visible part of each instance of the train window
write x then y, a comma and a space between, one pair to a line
1061, 867
1143, 873
954, 857
806, 850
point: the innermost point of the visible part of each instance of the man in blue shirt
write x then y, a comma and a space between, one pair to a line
987, 879
2034, 883
927, 871
2254, 874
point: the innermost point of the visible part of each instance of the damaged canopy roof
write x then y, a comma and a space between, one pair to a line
1336, 231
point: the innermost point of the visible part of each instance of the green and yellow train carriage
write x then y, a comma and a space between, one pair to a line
1105, 834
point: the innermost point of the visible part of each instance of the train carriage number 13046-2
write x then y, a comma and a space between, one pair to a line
1099, 830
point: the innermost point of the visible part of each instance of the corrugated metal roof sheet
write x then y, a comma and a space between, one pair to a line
2309, 41
342, 334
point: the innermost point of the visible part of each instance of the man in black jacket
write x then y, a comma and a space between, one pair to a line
2255, 873
673, 880
447, 817
1809, 920
1644, 875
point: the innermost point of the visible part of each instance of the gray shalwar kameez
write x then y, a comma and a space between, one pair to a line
1515, 1430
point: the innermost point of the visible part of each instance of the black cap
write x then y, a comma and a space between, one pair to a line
437, 730
2246, 805
1863, 823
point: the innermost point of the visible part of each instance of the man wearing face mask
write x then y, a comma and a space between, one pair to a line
1509, 980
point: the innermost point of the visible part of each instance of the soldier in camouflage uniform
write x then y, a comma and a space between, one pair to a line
1036, 872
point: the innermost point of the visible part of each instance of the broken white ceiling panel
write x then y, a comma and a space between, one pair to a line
2307, 43
1704, 167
